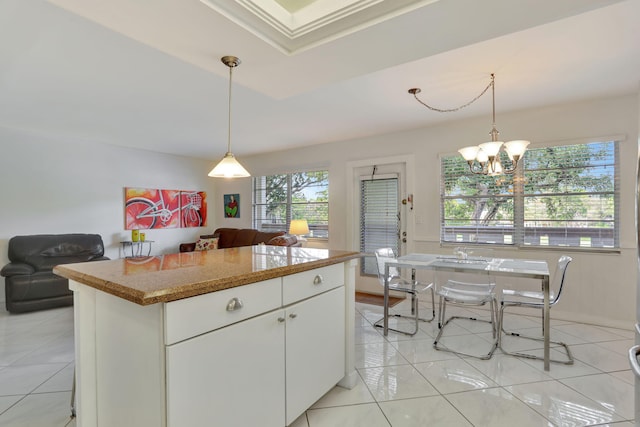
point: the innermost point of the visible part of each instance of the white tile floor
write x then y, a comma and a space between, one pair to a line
36, 368
402, 381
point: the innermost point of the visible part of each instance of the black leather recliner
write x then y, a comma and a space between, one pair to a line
29, 280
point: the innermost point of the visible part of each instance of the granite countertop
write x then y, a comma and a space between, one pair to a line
164, 278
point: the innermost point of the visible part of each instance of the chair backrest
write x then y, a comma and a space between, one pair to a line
558, 277
384, 255
477, 290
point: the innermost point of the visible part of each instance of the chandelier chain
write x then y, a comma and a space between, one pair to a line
415, 91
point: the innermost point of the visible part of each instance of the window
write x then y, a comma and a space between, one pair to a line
563, 196
277, 199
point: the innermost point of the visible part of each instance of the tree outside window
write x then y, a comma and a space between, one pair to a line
561, 196
277, 199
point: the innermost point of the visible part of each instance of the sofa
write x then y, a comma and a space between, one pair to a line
30, 283
236, 237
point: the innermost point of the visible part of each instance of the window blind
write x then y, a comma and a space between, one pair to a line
571, 196
379, 218
559, 196
475, 208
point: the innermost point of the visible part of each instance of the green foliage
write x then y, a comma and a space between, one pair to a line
474, 199
301, 195
557, 180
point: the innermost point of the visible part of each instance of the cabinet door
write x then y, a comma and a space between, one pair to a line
233, 376
315, 356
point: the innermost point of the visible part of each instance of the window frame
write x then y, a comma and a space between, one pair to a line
520, 228
289, 205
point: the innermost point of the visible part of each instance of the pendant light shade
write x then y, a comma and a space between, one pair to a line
229, 167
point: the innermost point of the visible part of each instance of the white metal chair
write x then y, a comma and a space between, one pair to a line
533, 299
397, 283
466, 294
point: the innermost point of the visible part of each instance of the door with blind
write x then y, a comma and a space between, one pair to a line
380, 213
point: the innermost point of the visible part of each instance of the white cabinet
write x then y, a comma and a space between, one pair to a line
190, 317
233, 376
254, 355
297, 287
315, 349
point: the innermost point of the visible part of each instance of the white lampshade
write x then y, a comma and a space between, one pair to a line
469, 153
299, 227
491, 148
482, 156
516, 147
229, 167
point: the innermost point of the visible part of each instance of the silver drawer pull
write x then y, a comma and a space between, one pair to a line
234, 304
318, 280
281, 319
293, 315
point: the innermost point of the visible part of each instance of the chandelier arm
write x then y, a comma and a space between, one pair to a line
415, 91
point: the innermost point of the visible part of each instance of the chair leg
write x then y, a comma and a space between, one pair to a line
441, 309
416, 317
442, 324
492, 307
501, 330
73, 395
433, 304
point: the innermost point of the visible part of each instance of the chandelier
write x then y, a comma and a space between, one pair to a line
229, 167
485, 158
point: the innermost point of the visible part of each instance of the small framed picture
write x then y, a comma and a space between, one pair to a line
232, 206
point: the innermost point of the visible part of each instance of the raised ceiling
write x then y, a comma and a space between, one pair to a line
147, 74
294, 26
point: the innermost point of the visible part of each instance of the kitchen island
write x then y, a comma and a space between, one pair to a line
248, 336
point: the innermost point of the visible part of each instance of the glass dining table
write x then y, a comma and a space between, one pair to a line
525, 268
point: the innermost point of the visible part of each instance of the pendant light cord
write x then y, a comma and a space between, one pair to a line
229, 127
493, 98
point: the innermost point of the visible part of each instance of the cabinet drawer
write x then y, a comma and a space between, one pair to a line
303, 285
196, 315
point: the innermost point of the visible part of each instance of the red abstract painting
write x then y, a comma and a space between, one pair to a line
147, 208
193, 208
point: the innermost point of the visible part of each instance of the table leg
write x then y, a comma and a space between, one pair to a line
413, 296
546, 322
386, 301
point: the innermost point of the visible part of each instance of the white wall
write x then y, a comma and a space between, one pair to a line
601, 288
52, 186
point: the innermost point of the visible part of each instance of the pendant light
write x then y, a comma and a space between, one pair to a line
485, 158
229, 167
487, 154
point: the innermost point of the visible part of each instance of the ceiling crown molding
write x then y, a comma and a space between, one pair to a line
320, 21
